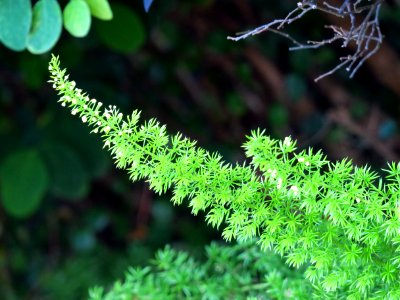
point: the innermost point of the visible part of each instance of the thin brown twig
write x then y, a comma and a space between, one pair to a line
366, 34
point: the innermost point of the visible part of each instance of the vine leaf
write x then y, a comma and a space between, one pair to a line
24, 182
77, 19
100, 9
46, 26
69, 177
15, 22
125, 32
73, 132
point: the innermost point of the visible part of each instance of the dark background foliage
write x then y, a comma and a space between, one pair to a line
92, 222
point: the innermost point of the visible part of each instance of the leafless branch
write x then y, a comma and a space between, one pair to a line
363, 32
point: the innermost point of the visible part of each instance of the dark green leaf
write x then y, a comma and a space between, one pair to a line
24, 182
295, 86
387, 129
77, 19
100, 9
235, 104
125, 32
94, 158
278, 115
46, 26
33, 70
15, 22
68, 177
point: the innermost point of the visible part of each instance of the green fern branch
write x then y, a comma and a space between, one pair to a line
229, 272
341, 221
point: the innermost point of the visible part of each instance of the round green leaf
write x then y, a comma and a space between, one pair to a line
100, 9
77, 19
24, 182
125, 32
15, 22
68, 177
46, 26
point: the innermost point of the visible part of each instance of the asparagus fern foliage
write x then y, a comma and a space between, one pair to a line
240, 271
339, 221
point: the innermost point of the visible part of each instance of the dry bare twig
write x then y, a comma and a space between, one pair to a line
364, 30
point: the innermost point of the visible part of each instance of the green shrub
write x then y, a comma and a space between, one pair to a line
337, 221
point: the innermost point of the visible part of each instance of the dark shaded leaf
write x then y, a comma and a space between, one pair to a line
68, 177
125, 32
24, 182
96, 161
387, 129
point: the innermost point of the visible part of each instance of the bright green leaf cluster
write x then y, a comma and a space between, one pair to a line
339, 221
38, 28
